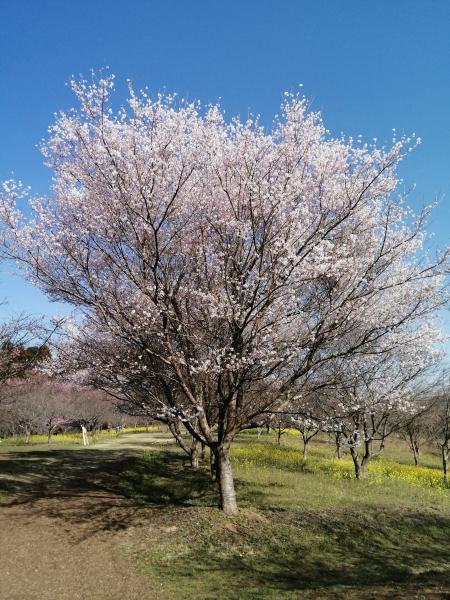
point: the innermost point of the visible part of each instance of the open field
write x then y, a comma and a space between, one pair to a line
127, 518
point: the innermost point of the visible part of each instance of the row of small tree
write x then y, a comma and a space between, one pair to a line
363, 432
37, 404
429, 423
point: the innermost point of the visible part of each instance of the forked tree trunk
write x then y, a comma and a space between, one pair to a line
356, 463
416, 452
226, 482
360, 465
364, 464
366, 458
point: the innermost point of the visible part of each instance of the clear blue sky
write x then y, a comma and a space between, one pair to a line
368, 66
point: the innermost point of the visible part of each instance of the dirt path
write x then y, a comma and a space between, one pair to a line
63, 524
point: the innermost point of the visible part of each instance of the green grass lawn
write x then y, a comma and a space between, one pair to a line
303, 530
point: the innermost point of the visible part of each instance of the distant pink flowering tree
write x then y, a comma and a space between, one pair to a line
230, 262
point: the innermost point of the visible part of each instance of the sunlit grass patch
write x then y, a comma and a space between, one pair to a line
268, 455
60, 438
262, 431
141, 429
75, 437
379, 470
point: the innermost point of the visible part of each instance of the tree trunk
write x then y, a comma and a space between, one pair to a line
356, 462
226, 482
27, 435
338, 445
203, 452
279, 434
364, 463
445, 452
366, 458
194, 453
416, 453
305, 449
49, 437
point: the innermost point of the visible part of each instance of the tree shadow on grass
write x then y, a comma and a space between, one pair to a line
285, 553
37, 474
105, 489
325, 556
371, 549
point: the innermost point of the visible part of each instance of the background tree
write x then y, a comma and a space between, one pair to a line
18, 350
369, 397
416, 427
440, 425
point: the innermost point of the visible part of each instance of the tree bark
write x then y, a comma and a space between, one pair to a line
194, 453
357, 464
366, 458
445, 453
213, 464
338, 445
226, 482
305, 449
279, 434
416, 453
364, 463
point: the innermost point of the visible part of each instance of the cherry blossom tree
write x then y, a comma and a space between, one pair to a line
373, 395
234, 263
308, 427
